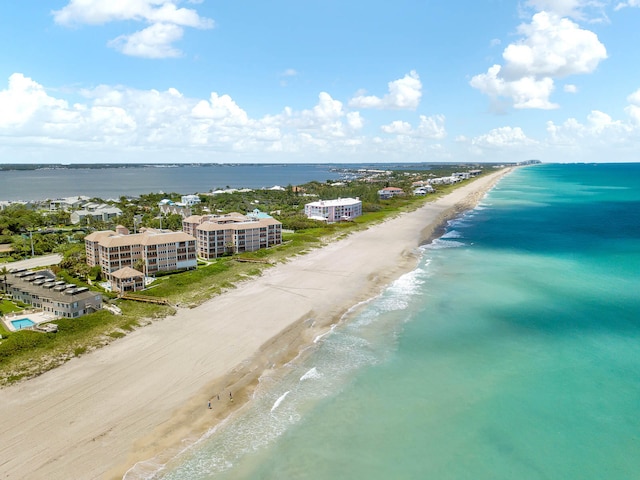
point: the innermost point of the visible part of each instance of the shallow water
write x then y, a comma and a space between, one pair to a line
512, 351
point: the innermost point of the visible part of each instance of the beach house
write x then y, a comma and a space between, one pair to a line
390, 192
334, 210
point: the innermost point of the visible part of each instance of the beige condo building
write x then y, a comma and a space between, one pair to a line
159, 250
217, 235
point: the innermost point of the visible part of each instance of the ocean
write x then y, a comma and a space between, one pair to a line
512, 351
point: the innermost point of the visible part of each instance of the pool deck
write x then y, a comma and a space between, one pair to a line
36, 316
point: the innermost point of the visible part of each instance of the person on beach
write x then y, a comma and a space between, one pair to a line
209, 405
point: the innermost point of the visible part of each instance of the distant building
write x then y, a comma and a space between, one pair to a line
190, 200
217, 235
67, 203
390, 192
334, 210
41, 290
102, 213
168, 207
424, 190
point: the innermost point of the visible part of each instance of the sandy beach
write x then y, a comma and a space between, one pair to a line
143, 395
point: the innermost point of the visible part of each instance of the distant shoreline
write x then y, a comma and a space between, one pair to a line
100, 166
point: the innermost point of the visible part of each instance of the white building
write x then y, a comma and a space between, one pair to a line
101, 213
334, 210
67, 203
190, 200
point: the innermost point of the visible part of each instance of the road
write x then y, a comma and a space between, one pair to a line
43, 261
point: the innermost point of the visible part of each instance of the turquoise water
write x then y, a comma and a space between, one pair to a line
22, 323
511, 352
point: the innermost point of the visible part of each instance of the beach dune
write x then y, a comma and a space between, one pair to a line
141, 396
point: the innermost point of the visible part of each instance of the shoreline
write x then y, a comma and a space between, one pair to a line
142, 396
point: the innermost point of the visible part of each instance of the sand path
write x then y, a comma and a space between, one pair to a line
97, 415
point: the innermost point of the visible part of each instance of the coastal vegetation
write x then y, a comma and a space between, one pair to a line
26, 353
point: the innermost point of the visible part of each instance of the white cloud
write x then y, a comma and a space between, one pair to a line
525, 92
397, 127
152, 119
23, 99
634, 98
154, 41
220, 108
404, 93
503, 137
570, 88
598, 130
584, 10
551, 47
599, 134
98, 12
628, 3
166, 23
428, 128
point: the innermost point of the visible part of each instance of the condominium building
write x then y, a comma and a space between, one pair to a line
217, 235
334, 210
159, 250
42, 290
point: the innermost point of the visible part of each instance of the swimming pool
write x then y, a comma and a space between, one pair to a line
22, 323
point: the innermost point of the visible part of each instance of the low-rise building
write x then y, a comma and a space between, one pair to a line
67, 203
175, 209
334, 210
102, 213
423, 190
41, 290
127, 279
190, 200
390, 192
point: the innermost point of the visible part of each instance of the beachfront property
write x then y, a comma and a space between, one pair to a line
42, 290
217, 235
99, 212
390, 192
156, 250
127, 279
340, 209
423, 190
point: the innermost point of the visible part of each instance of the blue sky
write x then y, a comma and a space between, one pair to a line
84, 81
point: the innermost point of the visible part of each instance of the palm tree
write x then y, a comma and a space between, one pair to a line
3, 272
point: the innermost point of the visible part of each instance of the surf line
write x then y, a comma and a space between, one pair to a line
279, 400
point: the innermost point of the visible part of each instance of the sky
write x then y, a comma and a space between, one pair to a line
330, 81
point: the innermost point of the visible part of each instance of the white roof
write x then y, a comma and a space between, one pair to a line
335, 203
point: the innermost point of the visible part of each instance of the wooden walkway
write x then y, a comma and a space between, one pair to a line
252, 260
143, 298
